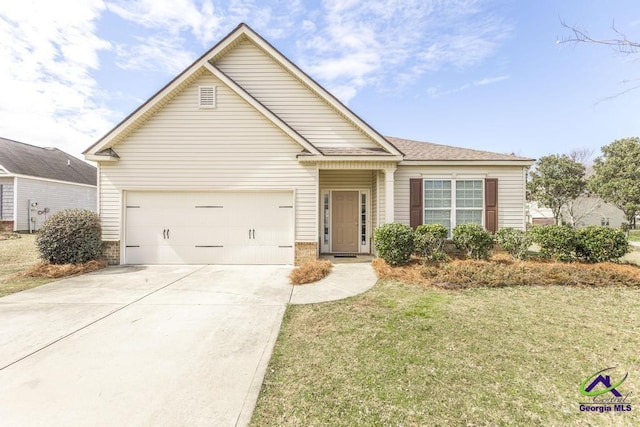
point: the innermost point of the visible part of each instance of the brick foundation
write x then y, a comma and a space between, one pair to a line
6, 225
305, 252
112, 252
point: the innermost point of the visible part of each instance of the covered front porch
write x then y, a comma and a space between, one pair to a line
354, 199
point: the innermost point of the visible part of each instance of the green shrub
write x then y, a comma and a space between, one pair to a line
474, 240
601, 244
515, 242
429, 241
556, 241
394, 243
71, 236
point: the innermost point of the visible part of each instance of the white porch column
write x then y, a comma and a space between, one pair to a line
388, 195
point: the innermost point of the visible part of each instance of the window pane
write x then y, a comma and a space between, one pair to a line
468, 216
440, 216
469, 194
437, 194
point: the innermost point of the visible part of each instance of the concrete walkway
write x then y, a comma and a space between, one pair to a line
150, 346
345, 280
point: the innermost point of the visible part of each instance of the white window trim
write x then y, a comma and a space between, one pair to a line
454, 178
215, 93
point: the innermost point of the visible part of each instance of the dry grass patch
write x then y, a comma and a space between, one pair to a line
501, 270
55, 271
311, 271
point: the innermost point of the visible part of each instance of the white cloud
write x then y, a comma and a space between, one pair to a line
394, 42
490, 80
49, 50
154, 54
173, 16
437, 92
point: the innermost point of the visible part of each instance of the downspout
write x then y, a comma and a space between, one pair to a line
1, 201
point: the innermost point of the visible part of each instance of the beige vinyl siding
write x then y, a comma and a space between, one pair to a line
6, 199
185, 148
290, 99
511, 189
346, 179
53, 195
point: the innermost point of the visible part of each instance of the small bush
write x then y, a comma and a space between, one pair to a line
429, 241
513, 241
71, 236
474, 240
601, 244
394, 243
556, 241
311, 271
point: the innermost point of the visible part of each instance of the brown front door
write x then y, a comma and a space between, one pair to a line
344, 221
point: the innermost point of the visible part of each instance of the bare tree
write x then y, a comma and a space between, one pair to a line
575, 210
619, 43
582, 155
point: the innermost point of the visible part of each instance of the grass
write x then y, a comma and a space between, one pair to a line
634, 235
21, 269
412, 355
17, 255
311, 271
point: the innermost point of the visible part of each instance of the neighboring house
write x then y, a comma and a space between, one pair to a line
592, 210
244, 159
539, 215
36, 182
586, 210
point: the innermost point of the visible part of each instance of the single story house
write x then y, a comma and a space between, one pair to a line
245, 159
37, 182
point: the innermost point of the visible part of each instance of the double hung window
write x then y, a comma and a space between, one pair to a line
452, 202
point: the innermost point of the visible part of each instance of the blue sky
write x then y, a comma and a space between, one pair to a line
471, 73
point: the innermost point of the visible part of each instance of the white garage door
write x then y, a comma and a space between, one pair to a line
209, 228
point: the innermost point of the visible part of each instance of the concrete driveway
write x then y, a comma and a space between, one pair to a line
140, 346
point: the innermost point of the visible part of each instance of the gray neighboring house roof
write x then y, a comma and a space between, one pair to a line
418, 150
50, 163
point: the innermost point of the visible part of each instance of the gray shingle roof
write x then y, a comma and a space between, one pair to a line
52, 163
418, 150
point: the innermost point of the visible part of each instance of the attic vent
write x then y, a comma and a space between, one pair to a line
207, 97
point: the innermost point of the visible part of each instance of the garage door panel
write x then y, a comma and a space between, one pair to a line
209, 228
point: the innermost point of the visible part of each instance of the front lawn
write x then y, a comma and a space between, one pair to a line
413, 355
21, 269
16, 255
634, 235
